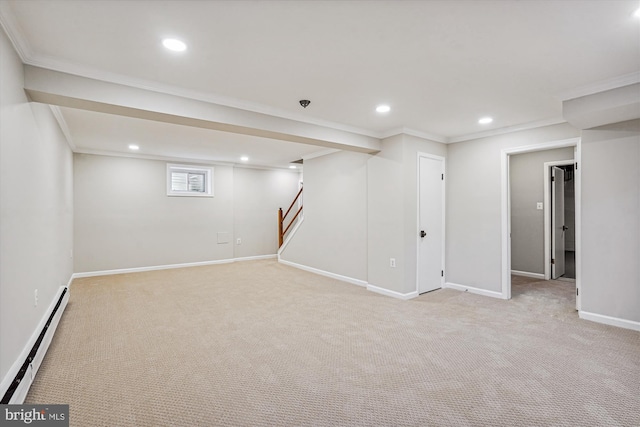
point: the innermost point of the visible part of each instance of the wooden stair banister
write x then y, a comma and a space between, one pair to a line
282, 231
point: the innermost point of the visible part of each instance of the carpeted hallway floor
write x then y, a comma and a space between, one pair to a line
261, 344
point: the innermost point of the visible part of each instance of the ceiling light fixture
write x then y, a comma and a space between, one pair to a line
244, 158
383, 108
134, 147
174, 45
485, 120
305, 103
293, 167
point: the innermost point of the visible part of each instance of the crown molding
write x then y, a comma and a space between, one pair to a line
14, 32
600, 86
509, 129
209, 162
413, 132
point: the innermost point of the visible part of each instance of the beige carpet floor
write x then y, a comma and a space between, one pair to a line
262, 344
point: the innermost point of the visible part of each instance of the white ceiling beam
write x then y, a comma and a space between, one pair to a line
68, 90
603, 108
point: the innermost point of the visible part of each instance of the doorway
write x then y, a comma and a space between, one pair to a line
431, 203
560, 225
506, 210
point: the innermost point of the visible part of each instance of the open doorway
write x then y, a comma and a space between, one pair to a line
560, 224
538, 269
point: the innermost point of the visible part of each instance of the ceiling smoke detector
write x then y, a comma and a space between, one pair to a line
305, 103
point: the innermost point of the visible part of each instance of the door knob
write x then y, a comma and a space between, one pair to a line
422, 233
564, 228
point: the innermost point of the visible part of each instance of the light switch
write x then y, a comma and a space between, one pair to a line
539, 206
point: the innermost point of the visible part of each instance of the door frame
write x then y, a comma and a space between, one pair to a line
547, 210
442, 161
505, 197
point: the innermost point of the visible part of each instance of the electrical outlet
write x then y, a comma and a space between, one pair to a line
392, 262
539, 206
35, 298
238, 241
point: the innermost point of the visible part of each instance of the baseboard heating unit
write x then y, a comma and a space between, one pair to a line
22, 373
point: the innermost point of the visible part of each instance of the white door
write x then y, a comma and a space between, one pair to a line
431, 224
557, 222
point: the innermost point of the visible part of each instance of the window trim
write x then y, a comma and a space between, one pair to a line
208, 180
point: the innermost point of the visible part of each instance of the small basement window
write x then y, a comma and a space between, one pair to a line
186, 180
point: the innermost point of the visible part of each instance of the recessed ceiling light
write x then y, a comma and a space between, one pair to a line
383, 108
293, 167
133, 147
485, 120
174, 45
244, 158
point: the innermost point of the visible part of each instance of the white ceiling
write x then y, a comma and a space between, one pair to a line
440, 65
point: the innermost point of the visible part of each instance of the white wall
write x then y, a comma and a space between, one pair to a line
333, 235
611, 221
386, 216
393, 210
36, 209
526, 174
124, 218
473, 251
361, 210
257, 195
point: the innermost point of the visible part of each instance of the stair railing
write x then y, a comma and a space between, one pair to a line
282, 231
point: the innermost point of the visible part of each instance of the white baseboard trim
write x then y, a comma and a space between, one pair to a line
390, 293
473, 290
25, 383
169, 266
528, 274
255, 258
608, 320
324, 273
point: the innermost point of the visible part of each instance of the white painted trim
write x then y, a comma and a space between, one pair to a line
168, 267
506, 205
577, 176
22, 390
70, 282
324, 273
505, 225
600, 86
608, 320
178, 168
212, 162
547, 211
508, 129
12, 29
442, 161
390, 293
412, 132
290, 236
528, 274
255, 258
151, 157
473, 290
